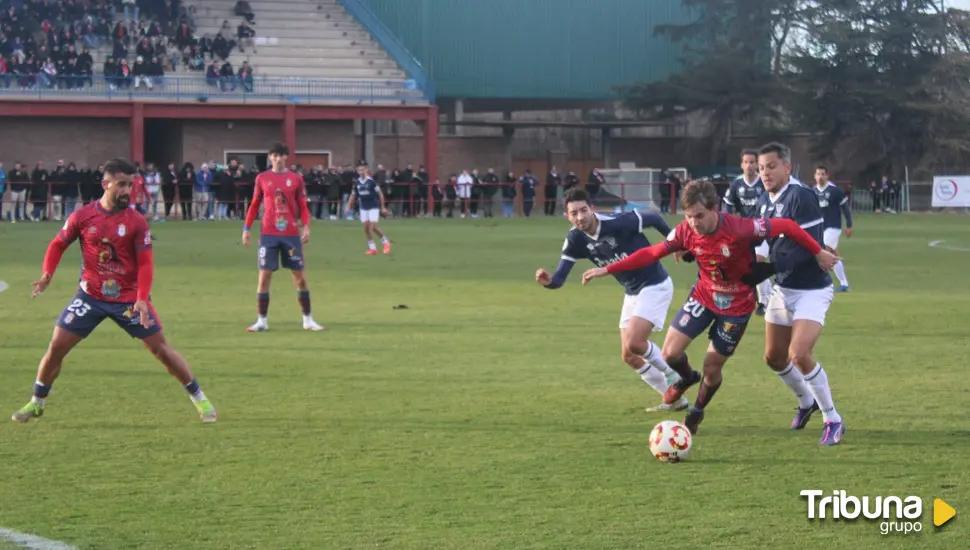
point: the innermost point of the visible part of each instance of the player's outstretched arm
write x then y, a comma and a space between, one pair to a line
641, 258
558, 278
791, 229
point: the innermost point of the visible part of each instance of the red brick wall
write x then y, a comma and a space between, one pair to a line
454, 153
85, 141
204, 140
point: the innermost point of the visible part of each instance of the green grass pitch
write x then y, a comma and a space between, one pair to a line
489, 414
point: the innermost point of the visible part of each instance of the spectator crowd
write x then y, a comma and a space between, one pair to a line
221, 191
49, 44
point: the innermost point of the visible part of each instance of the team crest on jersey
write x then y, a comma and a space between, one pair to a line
122, 230
725, 251
778, 209
92, 230
610, 241
289, 183
281, 223
110, 289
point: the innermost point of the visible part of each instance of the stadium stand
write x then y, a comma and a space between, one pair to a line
236, 45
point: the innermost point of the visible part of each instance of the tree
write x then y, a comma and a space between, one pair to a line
890, 78
732, 58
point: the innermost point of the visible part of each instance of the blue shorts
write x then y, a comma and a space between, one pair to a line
85, 313
725, 330
274, 250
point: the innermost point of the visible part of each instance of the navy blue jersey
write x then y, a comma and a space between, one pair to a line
742, 198
367, 192
616, 238
797, 268
833, 203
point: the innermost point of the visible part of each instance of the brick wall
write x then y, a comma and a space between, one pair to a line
84, 141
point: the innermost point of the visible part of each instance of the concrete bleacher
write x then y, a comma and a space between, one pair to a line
303, 38
313, 39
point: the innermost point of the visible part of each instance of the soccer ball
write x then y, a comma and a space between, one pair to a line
670, 441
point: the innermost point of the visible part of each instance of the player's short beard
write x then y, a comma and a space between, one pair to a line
121, 202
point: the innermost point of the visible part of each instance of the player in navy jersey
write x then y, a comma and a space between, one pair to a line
722, 300
117, 272
833, 203
606, 239
283, 196
802, 295
368, 193
742, 199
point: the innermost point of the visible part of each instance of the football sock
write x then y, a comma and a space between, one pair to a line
371, 246
818, 384
304, 298
840, 273
682, 367
655, 358
195, 394
653, 377
792, 377
383, 239
262, 299
41, 392
705, 394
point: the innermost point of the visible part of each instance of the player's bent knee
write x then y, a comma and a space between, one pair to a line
800, 355
776, 360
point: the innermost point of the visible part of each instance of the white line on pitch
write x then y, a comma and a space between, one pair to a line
32, 542
939, 244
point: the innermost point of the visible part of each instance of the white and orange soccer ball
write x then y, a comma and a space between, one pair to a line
670, 441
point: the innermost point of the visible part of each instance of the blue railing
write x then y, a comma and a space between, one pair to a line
387, 39
197, 88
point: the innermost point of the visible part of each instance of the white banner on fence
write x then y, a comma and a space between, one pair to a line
951, 191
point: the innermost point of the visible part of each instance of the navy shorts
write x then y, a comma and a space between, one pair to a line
725, 331
275, 250
85, 313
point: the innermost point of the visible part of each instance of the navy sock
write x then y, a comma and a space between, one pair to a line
304, 298
192, 387
262, 298
705, 394
40, 390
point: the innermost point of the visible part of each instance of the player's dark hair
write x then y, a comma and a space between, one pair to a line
117, 166
749, 152
783, 152
822, 167
700, 192
279, 148
576, 194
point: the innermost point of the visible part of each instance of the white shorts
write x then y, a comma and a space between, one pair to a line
651, 304
762, 250
370, 215
788, 305
831, 237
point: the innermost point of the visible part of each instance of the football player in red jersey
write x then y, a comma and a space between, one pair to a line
723, 298
280, 238
116, 283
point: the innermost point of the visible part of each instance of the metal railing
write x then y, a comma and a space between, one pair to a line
389, 41
199, 88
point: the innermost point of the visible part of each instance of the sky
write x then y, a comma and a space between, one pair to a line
962, 4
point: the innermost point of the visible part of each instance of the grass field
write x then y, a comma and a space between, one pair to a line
489, 414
